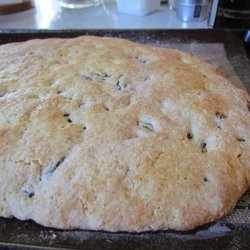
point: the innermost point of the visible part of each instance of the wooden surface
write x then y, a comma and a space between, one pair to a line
13, 8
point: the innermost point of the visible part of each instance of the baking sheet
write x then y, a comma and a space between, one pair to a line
231, 232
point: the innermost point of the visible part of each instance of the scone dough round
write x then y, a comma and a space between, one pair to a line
106, 134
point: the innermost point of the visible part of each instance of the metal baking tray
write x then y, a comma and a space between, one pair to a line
231, 232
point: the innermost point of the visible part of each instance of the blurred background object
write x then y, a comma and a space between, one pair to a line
233, 14
199, 14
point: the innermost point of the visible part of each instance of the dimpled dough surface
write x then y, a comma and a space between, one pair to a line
107, 134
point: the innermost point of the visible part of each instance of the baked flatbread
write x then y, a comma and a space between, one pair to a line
107, 134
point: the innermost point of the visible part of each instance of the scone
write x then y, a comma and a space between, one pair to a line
107, 134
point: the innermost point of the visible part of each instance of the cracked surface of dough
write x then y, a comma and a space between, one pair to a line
107, 134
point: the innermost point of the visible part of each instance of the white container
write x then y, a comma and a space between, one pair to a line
138, 7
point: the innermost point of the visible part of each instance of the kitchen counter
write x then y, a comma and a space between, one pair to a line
47, 14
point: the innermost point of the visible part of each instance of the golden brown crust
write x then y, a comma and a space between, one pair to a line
102, 133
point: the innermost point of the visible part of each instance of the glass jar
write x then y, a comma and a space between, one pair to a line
77, 4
